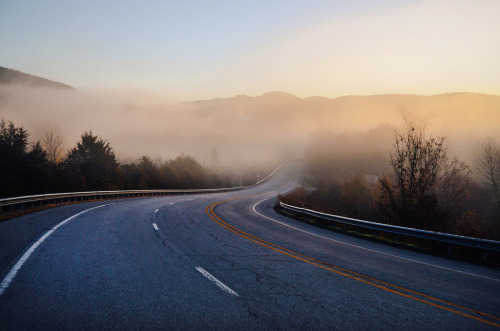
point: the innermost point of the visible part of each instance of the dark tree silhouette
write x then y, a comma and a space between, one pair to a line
94, 163
90, 165
188, 172
22, 170
420, 165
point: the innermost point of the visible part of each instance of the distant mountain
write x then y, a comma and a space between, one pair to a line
444, 112
14, 77
463, 118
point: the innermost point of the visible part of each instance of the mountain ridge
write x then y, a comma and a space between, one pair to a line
15, 77
289, 96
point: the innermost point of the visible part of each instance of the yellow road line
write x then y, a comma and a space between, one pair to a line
350, 274
353, 272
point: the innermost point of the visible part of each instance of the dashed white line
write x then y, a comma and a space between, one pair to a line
217, 282
156, 210
12, 273
155, 226
171, 203
368, 249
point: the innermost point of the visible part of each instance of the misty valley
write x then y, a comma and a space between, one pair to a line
133, 140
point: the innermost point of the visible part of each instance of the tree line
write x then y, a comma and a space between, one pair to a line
424, 187
43, 167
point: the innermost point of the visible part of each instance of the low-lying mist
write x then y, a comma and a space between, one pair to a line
137, 123
247, 130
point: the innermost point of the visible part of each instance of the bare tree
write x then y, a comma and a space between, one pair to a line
53, 146
488, 165
410, 196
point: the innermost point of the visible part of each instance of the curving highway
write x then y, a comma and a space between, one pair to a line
224, 261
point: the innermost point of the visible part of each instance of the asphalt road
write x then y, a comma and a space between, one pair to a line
225, 261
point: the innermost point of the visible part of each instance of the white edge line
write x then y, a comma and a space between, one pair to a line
12, 273
368, 249
216, 281
155, 226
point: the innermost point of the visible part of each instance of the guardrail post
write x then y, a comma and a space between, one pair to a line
485, 255
397, 238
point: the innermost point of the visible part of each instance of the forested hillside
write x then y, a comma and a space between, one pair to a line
38, 167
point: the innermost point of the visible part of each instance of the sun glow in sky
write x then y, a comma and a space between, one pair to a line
204, 49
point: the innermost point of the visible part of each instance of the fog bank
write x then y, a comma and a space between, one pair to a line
243, 129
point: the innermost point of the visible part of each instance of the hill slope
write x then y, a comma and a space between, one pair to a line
14, 77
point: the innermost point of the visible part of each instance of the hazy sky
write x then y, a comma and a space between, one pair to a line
204, 49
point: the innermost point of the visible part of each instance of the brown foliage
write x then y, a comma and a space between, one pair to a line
425, 189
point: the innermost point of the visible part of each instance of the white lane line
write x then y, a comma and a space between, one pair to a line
171, 203
12, 273
368, 249
155, 226
216, 281
156, 210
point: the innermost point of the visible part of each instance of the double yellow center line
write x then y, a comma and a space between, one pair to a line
407, 293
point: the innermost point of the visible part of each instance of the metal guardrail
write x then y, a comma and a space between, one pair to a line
445, 238
29, 201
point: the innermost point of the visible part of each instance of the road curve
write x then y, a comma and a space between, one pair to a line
225, 261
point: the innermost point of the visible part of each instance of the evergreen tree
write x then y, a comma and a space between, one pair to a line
22, 170
94, 163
